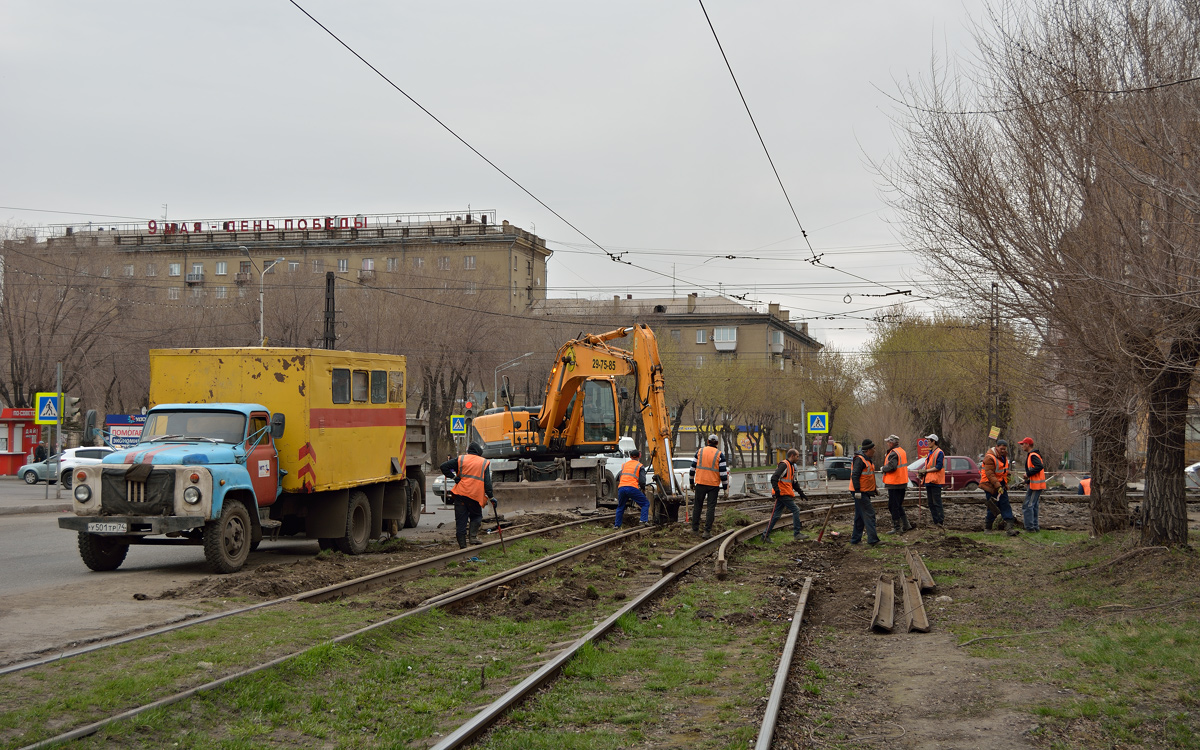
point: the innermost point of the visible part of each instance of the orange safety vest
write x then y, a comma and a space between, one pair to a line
1001, 468
1087, 486
708, 471
899, 475
785, 481
935, 477
629, 473
866, 482
471, 470
1036, 481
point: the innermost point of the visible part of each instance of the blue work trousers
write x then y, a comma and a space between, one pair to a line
624, 496
782, 503
1029, 509
864, 519
1002, 502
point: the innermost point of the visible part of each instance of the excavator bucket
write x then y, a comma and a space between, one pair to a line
543, 497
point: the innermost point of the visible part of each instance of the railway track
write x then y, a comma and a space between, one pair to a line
457, 596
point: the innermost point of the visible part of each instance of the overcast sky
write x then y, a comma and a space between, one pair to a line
619, 115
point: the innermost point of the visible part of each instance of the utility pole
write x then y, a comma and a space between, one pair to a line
993, 396
803, 434
57, 442
330, 312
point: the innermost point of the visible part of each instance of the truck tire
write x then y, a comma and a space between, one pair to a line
416, 497
101, 553
608, 485
227, 539
358, 525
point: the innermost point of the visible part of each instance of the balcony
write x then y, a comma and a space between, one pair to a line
194, 278
366, 275
242, 277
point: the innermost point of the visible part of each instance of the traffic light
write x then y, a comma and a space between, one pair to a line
470, 412
70, 408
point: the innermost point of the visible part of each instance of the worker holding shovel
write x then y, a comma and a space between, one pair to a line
785, 487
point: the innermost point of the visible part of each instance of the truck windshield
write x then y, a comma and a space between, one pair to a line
221, 426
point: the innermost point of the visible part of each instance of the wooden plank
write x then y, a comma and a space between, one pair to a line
883, 617
919, 571
914, 607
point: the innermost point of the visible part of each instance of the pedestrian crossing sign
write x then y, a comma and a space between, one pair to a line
46, 409
818, 422
458, 424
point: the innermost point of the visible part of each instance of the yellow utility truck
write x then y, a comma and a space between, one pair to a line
244, 443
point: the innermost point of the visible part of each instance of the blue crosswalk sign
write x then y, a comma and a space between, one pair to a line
458, 424
46, 409
818, 422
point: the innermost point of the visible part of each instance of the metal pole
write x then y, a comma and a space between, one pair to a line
262, 336
330, 312
804, 435
57, 441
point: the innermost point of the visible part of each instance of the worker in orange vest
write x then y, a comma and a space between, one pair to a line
472, 475
709, 471
862, 489
895, 479
933, 474
1035, 483
993, 480
1085, 485
631, 486
785, 487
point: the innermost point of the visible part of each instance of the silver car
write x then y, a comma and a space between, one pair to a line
60, 466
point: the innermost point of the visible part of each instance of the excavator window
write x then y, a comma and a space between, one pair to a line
599, 412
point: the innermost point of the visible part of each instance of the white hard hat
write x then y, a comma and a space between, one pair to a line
714, 439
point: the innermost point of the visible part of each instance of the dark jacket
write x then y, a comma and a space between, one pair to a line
450, 469
39, 453
1037, 465
858, 466
778, 475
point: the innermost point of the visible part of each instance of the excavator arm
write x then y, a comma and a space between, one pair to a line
593, 356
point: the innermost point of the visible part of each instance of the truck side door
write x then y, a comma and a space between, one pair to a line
262, 461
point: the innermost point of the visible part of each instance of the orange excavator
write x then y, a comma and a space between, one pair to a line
547, 457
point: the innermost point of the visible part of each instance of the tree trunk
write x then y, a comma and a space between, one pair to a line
1164, 511
1109, 431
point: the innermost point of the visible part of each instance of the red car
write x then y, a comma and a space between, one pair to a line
962, 473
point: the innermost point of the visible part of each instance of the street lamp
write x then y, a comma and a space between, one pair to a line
505, 366
262, 336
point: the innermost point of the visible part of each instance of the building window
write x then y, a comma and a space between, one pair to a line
173, 269
269, 267
173, 292
222, 268
699, 360
241, 291
529, 268
244, 267
677, 335
343, 265
293, 266
127, 270
220, 292
368, 264
198, 269
418, 262
471, 287
469, 262
392, 265
701, 336
104, 272
318, 265
151, 270
197, 292
444, 263
724, 335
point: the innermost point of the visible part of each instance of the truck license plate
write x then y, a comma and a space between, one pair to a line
112, 528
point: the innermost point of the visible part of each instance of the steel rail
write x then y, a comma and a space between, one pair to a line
346, 588
767, 732
480, 722
528, 569
752, 530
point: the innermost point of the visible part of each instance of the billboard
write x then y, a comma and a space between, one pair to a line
124, 430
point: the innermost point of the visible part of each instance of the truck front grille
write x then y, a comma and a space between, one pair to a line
121, 497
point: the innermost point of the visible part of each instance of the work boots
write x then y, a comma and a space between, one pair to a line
473, 531
987, 524
895, 529
905, 525
1010, 528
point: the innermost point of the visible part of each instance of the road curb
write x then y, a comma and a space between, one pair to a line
17, 510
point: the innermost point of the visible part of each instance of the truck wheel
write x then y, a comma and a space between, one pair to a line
608, 485
416, 497
31, 477
227, 539
358, 525
101, 553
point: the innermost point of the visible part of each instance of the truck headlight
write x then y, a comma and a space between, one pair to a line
83, 493
191, 495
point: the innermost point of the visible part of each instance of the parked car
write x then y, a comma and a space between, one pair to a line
681, 468
39, 471
962, 473
442, 486
1192, 476
59, 467
838, 468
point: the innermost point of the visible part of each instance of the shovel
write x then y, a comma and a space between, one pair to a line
499, 530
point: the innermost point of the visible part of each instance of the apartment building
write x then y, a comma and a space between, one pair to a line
451, 252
